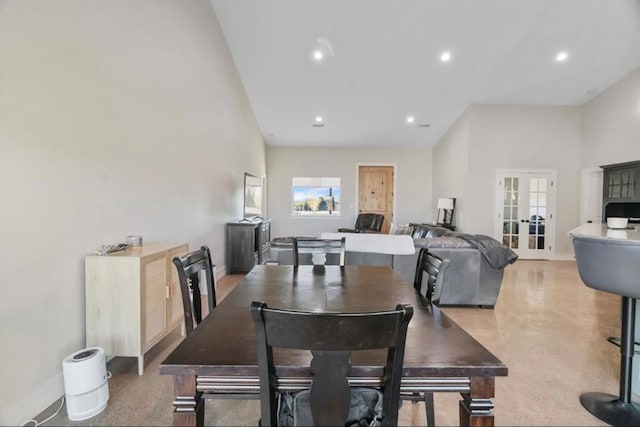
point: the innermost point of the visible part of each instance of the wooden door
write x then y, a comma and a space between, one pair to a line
375, 192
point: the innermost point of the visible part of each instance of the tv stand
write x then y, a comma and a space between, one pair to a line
248, 244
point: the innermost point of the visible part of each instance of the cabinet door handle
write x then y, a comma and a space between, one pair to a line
168, 292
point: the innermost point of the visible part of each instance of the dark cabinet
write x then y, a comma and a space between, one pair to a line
620, 187
248, 244
622, 184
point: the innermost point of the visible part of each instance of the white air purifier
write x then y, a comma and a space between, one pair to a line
86, 387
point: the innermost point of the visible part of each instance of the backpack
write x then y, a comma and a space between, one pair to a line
294, 409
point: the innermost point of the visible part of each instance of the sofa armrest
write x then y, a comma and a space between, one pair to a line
461, 281
441, 242
347, 230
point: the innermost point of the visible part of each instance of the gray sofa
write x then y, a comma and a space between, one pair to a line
476, 263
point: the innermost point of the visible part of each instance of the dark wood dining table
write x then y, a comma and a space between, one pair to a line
219, 357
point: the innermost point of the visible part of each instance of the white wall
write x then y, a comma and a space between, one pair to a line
451, 168
413, 184
611, 124
528, 137
116, 118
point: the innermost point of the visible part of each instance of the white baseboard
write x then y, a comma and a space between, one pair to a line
219, 273
29, 407
564, 257
20, 412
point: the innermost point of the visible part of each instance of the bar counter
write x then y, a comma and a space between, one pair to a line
601, 230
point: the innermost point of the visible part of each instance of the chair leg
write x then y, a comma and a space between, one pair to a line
618, 410
428, 405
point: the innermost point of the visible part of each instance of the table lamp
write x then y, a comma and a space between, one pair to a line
445, 205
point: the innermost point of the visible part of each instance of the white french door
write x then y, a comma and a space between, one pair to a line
525, 201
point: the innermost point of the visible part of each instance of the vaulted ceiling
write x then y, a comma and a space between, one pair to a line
382, 62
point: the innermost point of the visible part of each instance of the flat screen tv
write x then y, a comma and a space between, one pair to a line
252, 197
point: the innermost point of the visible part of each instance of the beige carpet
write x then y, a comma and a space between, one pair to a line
548, 328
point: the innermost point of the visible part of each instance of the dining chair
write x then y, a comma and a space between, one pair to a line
319, 251
189, 268
331, 338
434, 268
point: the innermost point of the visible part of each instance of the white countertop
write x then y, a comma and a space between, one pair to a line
374, 242
602, 231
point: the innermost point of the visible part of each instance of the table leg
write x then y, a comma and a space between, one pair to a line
476, 406
188, 403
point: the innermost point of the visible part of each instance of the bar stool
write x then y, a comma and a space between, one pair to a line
613, 265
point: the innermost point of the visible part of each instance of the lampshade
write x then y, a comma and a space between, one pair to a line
445, 203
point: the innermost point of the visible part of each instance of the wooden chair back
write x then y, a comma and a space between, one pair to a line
331, 337
434, 268
331, 251
189, 268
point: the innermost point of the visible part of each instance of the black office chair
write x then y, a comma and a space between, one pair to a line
311, 251
331, 337
612, 265
189, 268
366, 223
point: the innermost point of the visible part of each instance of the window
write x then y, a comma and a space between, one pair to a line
316, 196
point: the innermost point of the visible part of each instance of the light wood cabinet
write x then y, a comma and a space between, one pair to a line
132, 299
175, 311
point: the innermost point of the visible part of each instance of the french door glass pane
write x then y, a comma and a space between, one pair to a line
537, 212
510, 212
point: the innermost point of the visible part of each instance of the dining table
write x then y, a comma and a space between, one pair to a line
218, 359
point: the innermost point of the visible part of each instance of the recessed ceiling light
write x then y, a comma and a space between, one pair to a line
322, 49
445, 56
562, 56
318, 119
411, 119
